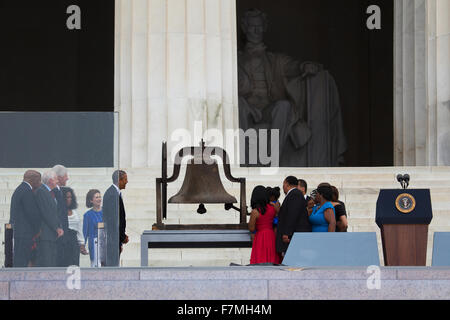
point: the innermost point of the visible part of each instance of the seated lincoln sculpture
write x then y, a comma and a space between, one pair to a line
299, 99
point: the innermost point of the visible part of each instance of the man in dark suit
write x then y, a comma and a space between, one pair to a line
303, 187
62, 177
50, 224
293, 216
24, 216
115, 218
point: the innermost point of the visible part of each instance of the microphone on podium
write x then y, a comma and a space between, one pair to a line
404, 180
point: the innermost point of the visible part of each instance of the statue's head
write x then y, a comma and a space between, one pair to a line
254, 24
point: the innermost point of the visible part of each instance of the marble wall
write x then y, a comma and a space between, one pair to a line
422, 83
176, 63
440, 43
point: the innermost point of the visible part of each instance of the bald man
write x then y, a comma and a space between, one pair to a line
24, 216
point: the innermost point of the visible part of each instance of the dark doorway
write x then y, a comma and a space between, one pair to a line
47, 67
335, 34
56, 84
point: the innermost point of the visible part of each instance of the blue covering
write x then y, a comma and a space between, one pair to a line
309, 249
441, 251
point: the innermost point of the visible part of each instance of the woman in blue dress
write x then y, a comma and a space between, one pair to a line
322, 215
90, 220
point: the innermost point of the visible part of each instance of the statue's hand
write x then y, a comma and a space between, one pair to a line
310, 69
244, 83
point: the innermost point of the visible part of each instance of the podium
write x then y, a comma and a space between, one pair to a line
403, 217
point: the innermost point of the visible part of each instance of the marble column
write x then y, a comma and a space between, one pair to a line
176, 63
439, 43
421, 67
410, 82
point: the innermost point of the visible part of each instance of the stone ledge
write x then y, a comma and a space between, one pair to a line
264, 273
60, 274
424, 273
148, 290
226, 283
357, 290
4, 290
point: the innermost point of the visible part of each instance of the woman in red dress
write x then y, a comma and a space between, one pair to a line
261, 222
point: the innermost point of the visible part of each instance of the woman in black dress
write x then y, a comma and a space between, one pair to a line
75, 242
340, 212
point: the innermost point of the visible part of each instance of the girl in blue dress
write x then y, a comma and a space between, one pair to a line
322, 216
90, 220
274, 195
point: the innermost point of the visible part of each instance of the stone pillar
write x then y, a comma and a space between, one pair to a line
439, 76
176, 63
421, 58
410, 125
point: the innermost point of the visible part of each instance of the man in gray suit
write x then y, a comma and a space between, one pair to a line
61, 179
115, 218
51, 228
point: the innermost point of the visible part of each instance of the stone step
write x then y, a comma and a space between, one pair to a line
139, 225
149, 198
361, 213
149, 193
440, 217
437, 195
437, 221
138, 173
182, 214
131, 250
162, 263
386, 173
358, 187
436, 205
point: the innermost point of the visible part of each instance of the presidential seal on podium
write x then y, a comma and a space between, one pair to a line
405, 203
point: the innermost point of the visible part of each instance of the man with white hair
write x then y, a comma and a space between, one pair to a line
62, 177
61, 174
50, 225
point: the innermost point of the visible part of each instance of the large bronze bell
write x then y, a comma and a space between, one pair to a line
202, 184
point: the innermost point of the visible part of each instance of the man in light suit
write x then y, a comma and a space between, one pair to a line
50, 225
24, 216
115, 218
293, 216
62, 177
